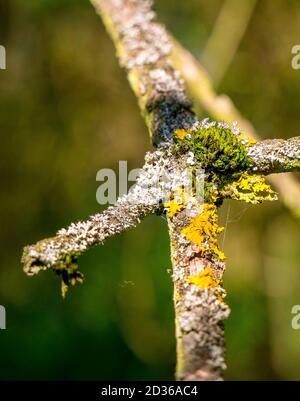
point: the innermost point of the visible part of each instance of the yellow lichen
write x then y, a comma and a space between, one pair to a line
252, 189
205, 279
180, 133
203, 230
251, 141
212, 196
173, 207
219, 297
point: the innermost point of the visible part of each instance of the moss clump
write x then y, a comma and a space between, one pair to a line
67, 269
218, 150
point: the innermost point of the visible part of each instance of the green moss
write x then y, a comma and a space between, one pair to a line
219, 151
67, 270
223, 156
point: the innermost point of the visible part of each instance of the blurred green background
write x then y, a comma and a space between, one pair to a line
66, 111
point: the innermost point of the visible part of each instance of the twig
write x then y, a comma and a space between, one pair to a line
143, 48
61, 252
275, 156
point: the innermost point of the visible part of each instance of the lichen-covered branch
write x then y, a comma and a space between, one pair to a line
229, 162
221, 107
60, 253
143, 48
198, 295
275, 156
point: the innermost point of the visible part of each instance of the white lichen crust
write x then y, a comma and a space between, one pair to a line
143, 48
61, 252
159, 177
275, 156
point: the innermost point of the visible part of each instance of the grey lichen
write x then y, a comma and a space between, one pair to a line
160, 176
60, 253
275, 156
143, 48
200, 310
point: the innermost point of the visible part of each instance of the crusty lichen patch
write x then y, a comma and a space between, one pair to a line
205, 279
275, 156
44, 255
251, 189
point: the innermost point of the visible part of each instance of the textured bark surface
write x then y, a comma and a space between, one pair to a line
199, 312
143, 48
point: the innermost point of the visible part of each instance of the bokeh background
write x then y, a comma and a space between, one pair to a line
66, 111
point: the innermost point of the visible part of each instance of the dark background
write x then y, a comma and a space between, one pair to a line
66, 111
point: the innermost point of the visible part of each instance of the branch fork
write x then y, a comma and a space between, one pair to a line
144, 49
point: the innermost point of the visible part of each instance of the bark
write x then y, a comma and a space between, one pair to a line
275, 156
199, 312
143, 48
221, 107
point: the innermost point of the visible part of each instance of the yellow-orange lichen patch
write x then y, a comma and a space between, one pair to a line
205, 279
180, 133
203, 230
173, 207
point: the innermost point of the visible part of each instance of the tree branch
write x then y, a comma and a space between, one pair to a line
221, 107
143, 48
223, 43
61, 252
275, 156
199, 307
